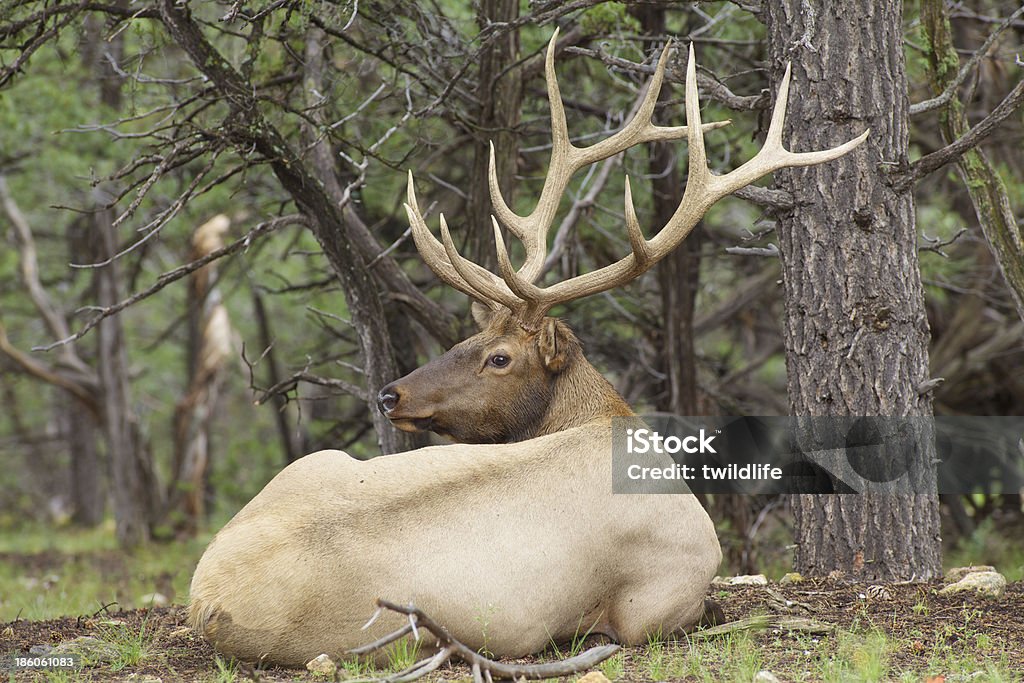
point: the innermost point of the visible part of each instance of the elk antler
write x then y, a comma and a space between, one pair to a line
516, 289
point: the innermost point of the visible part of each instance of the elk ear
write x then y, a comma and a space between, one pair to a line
481, 315
555, 343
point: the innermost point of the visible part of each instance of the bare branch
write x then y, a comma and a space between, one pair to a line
771, 250
707, 82
483, 668
30, 264
286, 385
176, 274
971, 139
50, 375
934, 244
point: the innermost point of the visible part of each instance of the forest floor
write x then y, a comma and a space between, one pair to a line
846, 632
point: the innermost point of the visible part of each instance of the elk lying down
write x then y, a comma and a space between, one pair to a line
511, 539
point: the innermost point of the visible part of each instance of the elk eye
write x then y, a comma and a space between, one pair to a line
500, 360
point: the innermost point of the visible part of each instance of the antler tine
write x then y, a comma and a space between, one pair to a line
478, 278
773, 155
434, 253
641, 253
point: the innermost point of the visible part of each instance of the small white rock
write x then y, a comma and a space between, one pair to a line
957, 573
748, 580
322, 665
791, 578
765, 676
988, 584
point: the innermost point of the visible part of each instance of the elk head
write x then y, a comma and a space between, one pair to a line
524, 375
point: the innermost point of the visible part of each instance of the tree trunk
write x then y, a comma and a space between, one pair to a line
294, 438
983, 183
679, 272
135, 495
131, 472
499, 91
209, 350
856, 333
377, 355
86, 490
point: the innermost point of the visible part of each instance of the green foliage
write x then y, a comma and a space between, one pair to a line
608, 17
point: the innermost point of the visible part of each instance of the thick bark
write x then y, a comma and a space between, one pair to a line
856, 333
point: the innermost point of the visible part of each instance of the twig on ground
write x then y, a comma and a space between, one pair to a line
484, 669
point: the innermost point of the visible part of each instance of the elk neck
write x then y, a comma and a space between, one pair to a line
581, 395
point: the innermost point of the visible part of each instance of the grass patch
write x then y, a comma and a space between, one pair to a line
988, 546
130, 646
48, 573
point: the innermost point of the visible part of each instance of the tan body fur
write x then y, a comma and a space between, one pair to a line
509, 547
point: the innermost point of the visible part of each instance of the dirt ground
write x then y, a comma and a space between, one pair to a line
917, 621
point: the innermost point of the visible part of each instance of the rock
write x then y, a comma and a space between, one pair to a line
593, 677
957, 573
143, 678
790, 578
322, 665
989, 584
154, 600
91, 649
748, 580
765, 676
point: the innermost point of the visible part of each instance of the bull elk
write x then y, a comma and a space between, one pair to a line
510, 539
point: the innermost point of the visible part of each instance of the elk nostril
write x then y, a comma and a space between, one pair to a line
387, 399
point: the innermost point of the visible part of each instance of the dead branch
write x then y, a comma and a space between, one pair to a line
290, 383
936, 244
968, 141
30, 264
708, 83
170, 276
484, 669
41, 371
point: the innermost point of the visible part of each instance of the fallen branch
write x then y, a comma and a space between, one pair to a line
484, 669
